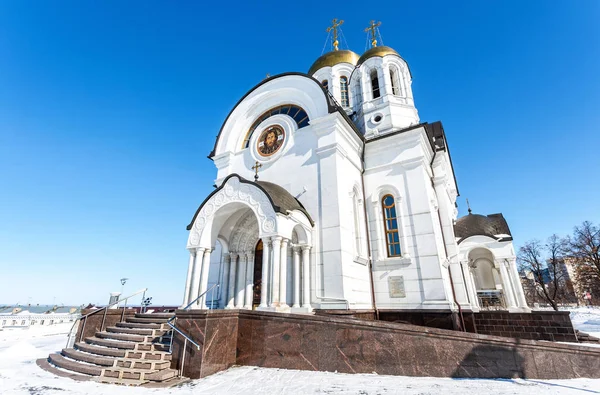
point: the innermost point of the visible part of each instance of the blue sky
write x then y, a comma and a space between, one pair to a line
108, 110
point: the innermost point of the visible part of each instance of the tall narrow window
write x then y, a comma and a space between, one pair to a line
395, 84
356, 214
392, 238
344, 91
375, 84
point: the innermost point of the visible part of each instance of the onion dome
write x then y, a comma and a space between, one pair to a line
376, 51
332, 58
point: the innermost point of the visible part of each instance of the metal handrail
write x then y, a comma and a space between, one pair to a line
105, 308
186, 337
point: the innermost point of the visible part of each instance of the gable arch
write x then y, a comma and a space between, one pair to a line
232, 194
297, 89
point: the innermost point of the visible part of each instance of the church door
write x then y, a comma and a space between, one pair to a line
258, 252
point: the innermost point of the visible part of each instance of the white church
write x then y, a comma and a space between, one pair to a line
332, 194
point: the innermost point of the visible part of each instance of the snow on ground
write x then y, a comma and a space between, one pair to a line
587, 319
19, 374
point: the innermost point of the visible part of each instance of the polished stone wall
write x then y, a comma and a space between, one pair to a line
94, 321
293, 341
537, 325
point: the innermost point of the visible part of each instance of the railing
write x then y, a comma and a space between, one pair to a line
491, 300
105, 309
186, 337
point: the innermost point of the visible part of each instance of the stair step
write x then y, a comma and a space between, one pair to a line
156, 320
154, 315
151, 347
149, 355
110, 380
64, 363
112, 352
111, 343
89, 358
131, 331
121, 336
143, 364
161, 375
138, 325
139, 374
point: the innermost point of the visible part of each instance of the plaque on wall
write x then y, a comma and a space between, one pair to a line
396, 286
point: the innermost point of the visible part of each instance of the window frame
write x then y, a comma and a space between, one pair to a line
344, 92
375, 87
390, 252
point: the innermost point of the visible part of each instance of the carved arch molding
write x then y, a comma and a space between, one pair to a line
234, 191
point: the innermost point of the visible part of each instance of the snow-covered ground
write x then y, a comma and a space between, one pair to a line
20, 375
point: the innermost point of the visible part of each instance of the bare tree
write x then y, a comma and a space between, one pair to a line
585, 245
546, 265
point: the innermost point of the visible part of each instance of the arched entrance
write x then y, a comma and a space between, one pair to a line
258, 263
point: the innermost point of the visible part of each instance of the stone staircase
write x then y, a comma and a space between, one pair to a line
134, 352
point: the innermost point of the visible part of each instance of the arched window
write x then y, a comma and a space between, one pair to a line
296, 113
375, 84
325, 84
344, 91
395, 82
390, 219
356, 207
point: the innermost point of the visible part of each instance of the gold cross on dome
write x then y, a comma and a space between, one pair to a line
334, 27
372, 29
255, 168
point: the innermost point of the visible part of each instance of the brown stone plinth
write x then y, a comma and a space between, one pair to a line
325, 343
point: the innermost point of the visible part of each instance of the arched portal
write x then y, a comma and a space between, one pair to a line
258, 265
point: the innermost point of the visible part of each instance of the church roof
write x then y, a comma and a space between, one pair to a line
332, 106
332, 58
283, 201
493, 225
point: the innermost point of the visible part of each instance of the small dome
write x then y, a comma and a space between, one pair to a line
376, 51
493, 225
332, 58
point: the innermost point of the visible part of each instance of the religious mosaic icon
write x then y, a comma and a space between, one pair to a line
270, 140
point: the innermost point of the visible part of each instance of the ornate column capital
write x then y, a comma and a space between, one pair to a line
276, 239
233, 255
284, 241
296, 248
200, 250
305, 247
250, 256
192, 251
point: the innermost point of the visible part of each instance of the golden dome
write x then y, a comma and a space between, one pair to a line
376, 51
332, 58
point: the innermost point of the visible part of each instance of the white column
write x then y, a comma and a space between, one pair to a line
283, 274
276, 240
249, 280
204, 278
469, 284
306, 276
512, 269
195, 286
508, 293
188, 280
296, 252
264, 290
241, 279
224, 288
231, 294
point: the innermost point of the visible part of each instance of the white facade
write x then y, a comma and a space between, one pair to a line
330, 160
